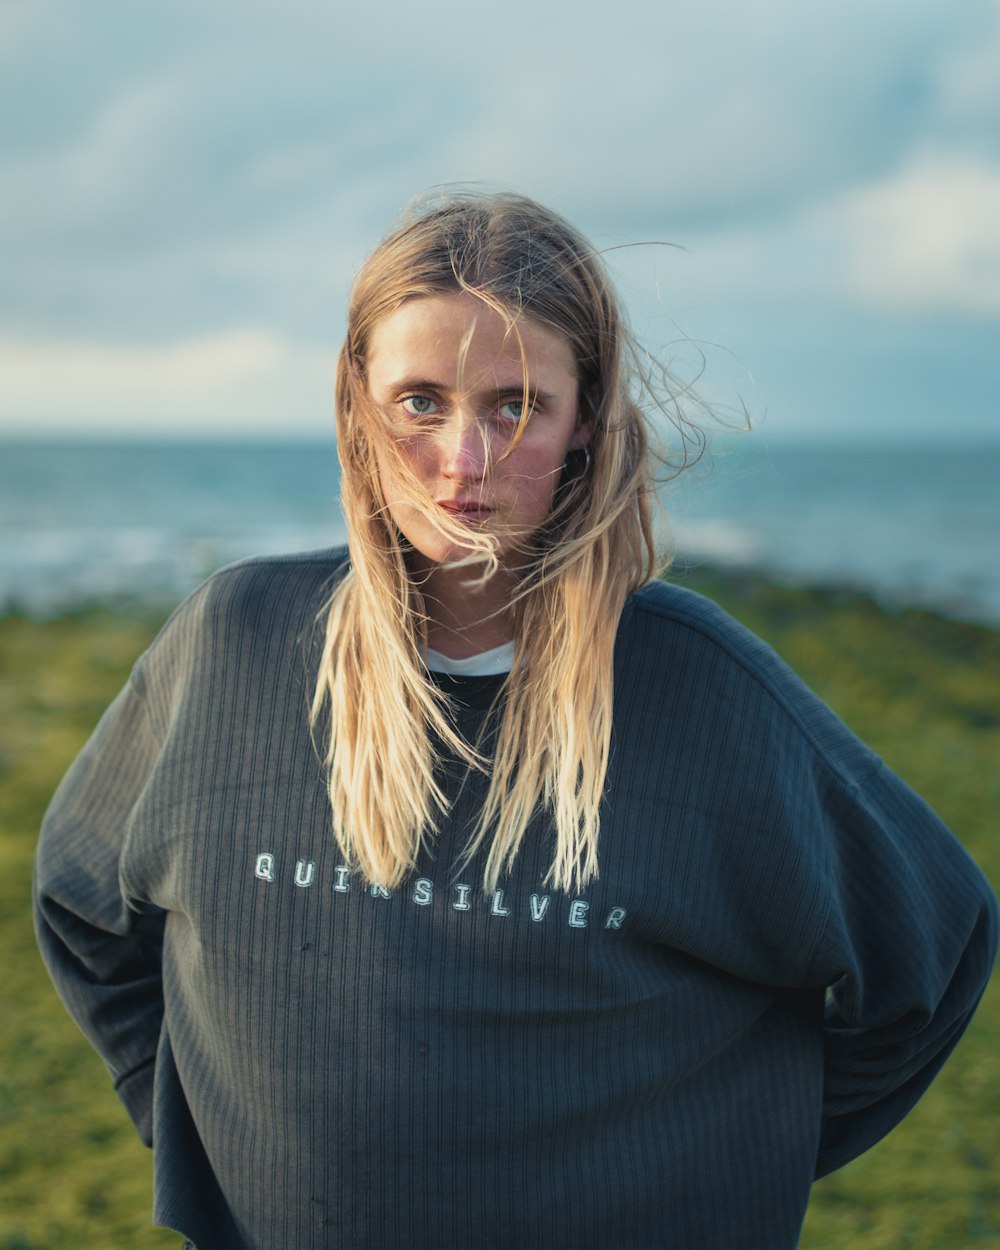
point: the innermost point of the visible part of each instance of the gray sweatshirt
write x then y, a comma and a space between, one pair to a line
783, 945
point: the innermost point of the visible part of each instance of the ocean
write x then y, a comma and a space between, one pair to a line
144, 522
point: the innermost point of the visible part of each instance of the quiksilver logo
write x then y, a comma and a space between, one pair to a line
423, 892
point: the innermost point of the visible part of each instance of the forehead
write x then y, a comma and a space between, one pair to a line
447, 335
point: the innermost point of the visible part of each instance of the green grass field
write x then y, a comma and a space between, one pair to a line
923, 691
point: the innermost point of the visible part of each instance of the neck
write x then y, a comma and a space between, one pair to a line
464, 615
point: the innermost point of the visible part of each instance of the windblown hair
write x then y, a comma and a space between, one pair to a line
386, 718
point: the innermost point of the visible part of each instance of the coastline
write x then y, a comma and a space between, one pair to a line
142, 522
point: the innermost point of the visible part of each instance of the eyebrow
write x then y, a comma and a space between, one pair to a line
405, 385
415, 384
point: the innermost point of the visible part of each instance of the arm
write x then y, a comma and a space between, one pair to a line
102, 955
909, 947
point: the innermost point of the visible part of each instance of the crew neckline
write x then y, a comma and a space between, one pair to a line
486, 664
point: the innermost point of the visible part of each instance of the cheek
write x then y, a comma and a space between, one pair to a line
535, 472
390, 474
541, 456
385, 486
402, 478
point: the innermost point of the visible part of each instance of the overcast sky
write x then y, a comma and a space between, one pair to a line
188, 188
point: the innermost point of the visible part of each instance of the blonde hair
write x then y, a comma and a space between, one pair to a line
386, 719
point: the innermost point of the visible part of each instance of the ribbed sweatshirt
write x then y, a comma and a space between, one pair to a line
782, 946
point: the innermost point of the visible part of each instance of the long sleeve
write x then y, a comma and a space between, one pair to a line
791, 856
103, 955
909, 945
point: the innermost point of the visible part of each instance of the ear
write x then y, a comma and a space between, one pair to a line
585, 419
583, 433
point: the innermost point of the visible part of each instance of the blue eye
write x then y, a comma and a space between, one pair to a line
512, 410
419, 405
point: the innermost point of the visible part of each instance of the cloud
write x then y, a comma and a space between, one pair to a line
241, 381
967, 82
227, 172
927, 238
921, 241
176, 174
715, 112
707, 117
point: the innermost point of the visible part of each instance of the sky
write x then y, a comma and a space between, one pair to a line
801, 203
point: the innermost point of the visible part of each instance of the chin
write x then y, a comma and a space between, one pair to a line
428, 554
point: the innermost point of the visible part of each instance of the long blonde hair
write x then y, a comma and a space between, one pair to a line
386, 719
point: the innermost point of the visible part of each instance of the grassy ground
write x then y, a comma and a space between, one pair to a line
925, 692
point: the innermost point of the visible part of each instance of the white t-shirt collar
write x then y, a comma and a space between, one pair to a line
485, 664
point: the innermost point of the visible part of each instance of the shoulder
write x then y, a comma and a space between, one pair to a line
244, 615
263, 588
665, 601
661, 618
263, 593
696, 658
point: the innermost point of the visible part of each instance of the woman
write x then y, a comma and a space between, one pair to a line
569, 917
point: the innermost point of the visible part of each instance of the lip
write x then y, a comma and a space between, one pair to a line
466, 509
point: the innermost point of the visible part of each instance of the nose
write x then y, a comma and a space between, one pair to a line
464, 448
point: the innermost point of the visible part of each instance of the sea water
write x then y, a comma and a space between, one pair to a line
145, 522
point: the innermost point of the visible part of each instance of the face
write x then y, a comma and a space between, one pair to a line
450, 379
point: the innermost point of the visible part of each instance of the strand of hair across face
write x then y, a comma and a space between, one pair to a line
386, 715
388, 722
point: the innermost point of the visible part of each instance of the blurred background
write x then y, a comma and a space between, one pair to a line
800, 203
801, 206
